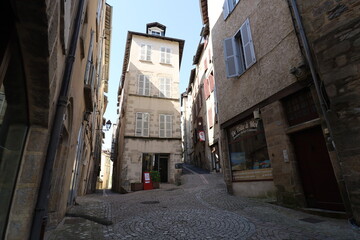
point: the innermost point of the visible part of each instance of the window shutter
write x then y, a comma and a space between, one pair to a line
206, 88
162, 126
162, 88
247, 43
142, 52
211, 82
146, 86
225, 9
210, 118
89, 58
230, 57
168, 126
141, 85
148, 53
162, 58
145, 124
168, 87
138, 125
168, 55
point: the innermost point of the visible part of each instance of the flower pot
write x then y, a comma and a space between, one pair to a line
137, 187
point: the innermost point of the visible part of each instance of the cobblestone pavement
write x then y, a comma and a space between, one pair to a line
198, 209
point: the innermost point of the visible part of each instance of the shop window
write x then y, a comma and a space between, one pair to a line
248, 151
300, 107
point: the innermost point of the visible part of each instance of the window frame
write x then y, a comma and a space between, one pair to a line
165, 55
228, 7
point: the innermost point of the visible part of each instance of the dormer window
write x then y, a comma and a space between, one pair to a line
155, 32
155, 29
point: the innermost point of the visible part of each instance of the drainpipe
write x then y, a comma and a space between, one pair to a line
40, 215
323, 106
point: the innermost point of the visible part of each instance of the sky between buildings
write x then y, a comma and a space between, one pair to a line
182, 20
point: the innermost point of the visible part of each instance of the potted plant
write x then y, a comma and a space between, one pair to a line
155, 178
137, 186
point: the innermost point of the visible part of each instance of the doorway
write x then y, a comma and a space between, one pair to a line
157, 162
316, 172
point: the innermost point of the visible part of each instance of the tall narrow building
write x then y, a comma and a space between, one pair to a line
148, 129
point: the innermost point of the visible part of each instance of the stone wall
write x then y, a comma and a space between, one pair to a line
333, 31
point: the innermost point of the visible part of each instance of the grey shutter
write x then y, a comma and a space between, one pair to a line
162, 59
89, 58
143, 52
231, 61
138, 124
168, 125
168, 55
148, 53
247, 44
226, 9
141, 85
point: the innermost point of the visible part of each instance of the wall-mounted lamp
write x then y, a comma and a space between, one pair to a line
107, 126
256, 114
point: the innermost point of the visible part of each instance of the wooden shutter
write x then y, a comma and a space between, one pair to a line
211, 82
168, 55
226, 9
168, 125
162, 126
162, 58
206, 88
148, 53
230, 57
143, 52
145, 124
247, 44
89, 58
138, 124
141, 85
146, 85
210, 118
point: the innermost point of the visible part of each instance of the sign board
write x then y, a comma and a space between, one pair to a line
147, 181
202, 136
255, 175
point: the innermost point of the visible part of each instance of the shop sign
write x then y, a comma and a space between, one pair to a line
248, 175
248, 126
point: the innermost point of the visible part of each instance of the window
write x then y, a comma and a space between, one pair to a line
142, 124
165, 85
165, 127
89, 69
165, 55
144, 85
239, 51
228, 7
154, 32
145, 52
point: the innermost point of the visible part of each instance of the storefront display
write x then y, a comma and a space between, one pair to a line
248, 151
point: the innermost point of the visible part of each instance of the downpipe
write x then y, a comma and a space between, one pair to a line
40, 215
323, 106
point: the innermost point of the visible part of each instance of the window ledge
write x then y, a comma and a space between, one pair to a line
145, 61
167, 64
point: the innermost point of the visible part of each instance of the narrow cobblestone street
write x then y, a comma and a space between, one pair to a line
198, 209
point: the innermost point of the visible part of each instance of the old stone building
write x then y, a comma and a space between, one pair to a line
148, 129
283, 117
54, 58
201, 124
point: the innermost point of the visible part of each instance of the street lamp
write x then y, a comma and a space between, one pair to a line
107, 126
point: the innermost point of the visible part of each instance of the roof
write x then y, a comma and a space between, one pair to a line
128, 46
191, 79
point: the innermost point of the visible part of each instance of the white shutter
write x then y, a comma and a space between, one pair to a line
247, 43
143, 52
162, 58
168, 55
141, 84
168, 126
146, 86
145, 124
148, 53
231, 60
168, 87
162, 125
138, 124
226, 9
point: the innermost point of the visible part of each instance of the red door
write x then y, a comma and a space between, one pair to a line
316, 172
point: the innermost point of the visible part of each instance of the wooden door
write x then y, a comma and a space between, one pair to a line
316, 172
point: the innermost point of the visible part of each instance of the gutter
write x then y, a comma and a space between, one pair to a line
324, 108
40, 215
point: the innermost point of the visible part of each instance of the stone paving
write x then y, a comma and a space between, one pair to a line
198, 209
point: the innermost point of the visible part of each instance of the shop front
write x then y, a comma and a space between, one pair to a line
250, 163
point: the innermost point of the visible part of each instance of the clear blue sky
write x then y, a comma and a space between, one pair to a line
182, 20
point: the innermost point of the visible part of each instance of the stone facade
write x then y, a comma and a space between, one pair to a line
148, 128
333, 32
39, 42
